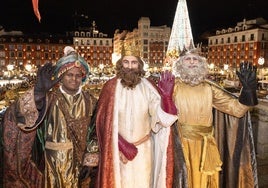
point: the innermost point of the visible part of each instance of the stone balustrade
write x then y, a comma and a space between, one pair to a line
259, 116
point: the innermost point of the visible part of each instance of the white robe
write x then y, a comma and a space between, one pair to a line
137, 112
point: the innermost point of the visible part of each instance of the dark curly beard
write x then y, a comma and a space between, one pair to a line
129, 77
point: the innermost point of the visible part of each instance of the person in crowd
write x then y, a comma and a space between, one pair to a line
195, 98
133, 127
55, 114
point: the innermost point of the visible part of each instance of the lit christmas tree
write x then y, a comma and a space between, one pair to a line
181, 34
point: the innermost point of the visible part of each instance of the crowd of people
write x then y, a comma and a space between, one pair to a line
176, 132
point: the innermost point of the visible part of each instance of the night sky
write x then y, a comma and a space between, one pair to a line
57, 15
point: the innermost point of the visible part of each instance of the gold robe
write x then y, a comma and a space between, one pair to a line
195, 117
65, 143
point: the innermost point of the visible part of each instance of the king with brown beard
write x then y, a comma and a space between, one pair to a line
130, 77
133, 128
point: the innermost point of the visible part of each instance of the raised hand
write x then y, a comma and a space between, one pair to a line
166, 86
166, 83
45, 80
44, 83
247, 75
248, 79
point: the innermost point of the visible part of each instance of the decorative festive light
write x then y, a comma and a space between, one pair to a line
181, 34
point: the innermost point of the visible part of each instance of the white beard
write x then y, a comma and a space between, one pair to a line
192, 75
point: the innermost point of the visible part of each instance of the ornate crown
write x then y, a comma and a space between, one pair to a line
177, 52
130, 49
191, 51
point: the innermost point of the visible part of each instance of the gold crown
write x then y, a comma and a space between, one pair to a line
175, 53
130, 49
196, 51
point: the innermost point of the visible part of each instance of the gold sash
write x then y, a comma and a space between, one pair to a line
210, 161
58, 146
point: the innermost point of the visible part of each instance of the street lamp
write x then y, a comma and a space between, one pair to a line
261, 62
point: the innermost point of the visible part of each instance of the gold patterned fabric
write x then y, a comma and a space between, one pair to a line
63, 135
66, 132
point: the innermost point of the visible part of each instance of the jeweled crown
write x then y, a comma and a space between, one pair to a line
130, 49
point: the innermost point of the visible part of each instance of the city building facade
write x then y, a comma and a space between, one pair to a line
151, 42
96, 47
247, 41
22, 54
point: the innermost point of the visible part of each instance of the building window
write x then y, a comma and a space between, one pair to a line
145, 41
251, 46
20, 54
28, 55
235, 39
46, 48
12, 54
19, 47
38, 56
2, 54
235, 47
250, 54
145, 48
76, 34
11, 47
46, 56
243, 38
210, 42
263, 45
251, 36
